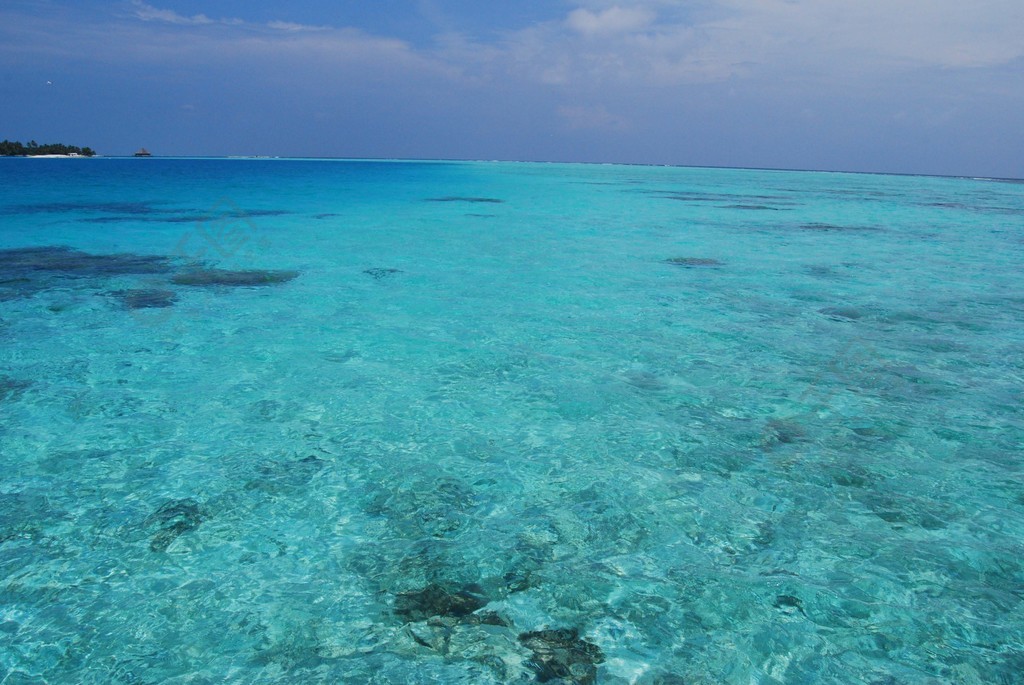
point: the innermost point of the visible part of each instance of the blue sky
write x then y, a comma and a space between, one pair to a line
916, 86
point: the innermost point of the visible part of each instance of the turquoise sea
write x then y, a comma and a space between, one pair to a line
302, 421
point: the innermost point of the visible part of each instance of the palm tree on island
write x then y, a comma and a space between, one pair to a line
10, 148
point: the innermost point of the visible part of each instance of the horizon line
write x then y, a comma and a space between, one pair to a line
535, 161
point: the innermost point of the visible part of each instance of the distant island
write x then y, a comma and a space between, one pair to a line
33, 149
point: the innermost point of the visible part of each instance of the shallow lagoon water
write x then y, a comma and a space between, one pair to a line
410, 422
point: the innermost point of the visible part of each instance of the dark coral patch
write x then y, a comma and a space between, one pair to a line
252, 213
110, 219
135, 208
226, 216
173, 519
789, 604
459, 198
693, 261
733, 201
851, 477
146, 298
560, 655
438, 508
287, 476
833, 228
29, 270
436, 600
690, 197
782, 432
225, 277
380, 272
63, 261
182, 218
11, 388
841, 313
752, 207
487, 618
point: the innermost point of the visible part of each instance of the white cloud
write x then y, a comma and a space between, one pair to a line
598, 45
614, 20
293, 27
876, 33
289, 52
669, 42
617, 45
149, 13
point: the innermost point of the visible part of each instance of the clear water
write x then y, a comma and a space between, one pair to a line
794, 457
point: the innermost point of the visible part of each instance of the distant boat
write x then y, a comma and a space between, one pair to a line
143, 152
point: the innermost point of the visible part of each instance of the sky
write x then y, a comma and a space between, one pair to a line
907, 86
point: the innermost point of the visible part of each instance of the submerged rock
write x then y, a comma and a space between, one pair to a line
519, 580
64, 261
823, 271
789, 604
254, 213
782, 432
693, 261
379, 273
225, 277
341, 357
11, 388
146, 298
727, 200
194, 217
828, 228
665, 679
173, 519
751, 207
459, 198
900, 511
435, 600
851, 477
435, 637
487, 618
561, 654
26, 271
8, 294
438, 508
645, 380
283, 476
841, 313
207, 218
134, 208
108, 219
